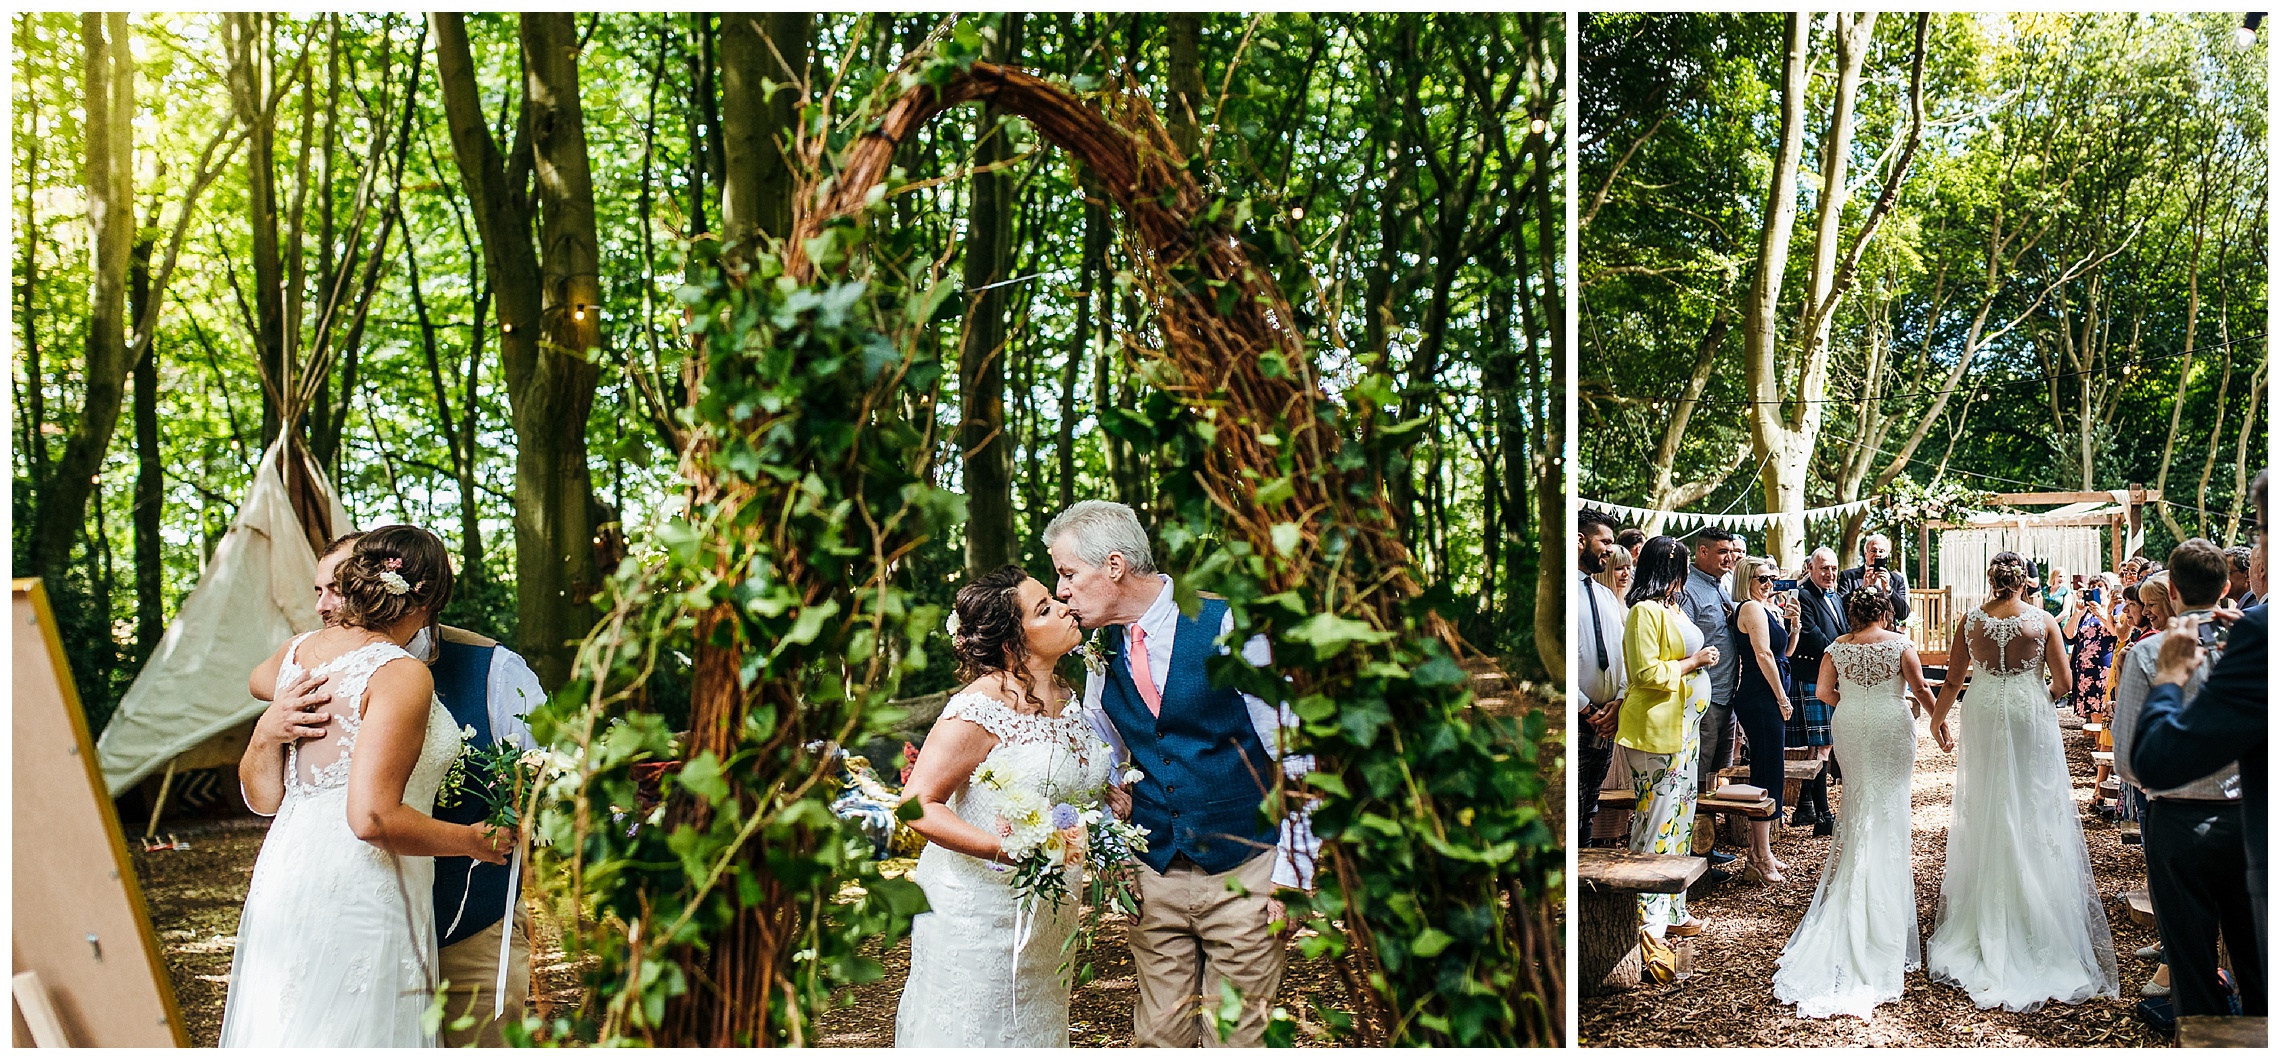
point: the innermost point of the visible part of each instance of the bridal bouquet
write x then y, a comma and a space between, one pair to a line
1044, 842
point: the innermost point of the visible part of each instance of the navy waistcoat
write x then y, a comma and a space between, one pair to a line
1202, 764
463, 682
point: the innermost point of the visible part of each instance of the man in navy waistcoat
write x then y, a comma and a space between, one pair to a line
1207, 757
488, 689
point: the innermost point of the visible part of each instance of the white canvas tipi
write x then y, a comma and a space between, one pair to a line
257, 592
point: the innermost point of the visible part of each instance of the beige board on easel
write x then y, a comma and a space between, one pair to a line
79, 920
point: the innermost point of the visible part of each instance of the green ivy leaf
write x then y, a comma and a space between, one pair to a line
1430, 943
702, 777
1329, 634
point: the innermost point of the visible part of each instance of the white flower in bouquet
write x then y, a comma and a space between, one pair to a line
1022, 826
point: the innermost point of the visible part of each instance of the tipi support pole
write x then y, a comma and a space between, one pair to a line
159, 805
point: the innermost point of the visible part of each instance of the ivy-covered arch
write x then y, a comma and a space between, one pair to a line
727, 917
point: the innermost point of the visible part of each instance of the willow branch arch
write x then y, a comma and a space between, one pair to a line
1231, 353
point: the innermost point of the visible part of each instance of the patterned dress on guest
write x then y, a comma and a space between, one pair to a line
2093, 662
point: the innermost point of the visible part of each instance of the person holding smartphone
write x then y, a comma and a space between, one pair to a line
1879, 572
2093, 630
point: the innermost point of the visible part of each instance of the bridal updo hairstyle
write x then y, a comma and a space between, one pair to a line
989, 639
1864, 606
2007, 574
391, 573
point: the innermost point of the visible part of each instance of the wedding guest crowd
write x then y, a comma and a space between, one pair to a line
2199, 718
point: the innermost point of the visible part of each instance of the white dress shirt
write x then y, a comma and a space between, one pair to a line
1298, 847
1600, 684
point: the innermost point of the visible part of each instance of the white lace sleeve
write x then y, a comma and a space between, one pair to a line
984, 711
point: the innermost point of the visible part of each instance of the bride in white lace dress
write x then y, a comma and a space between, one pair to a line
1858, 940
983, 971
2019, 922
337, 946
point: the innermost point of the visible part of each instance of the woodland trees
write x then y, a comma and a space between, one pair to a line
2031, 266
458, 240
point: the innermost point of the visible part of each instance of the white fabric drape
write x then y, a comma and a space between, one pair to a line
1964, 555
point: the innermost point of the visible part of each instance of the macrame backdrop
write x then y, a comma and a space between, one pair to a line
1964, 555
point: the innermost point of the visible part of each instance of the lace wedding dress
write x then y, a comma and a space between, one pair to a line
1858, 940
982, 970
2019, 921
336, 946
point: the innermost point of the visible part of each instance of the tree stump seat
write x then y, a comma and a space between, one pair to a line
1734, 814
2102, 757
1607, 928
2221, 1032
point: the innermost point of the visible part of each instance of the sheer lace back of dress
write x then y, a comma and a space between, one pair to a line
324, 762
1869, 665
2005, 645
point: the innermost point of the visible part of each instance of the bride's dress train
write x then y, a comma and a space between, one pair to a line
2019, 921
1858, 941
983, 971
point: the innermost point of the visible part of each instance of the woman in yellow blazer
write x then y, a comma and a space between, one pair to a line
1658, 743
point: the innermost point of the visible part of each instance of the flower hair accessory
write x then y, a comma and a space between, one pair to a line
950, 625
394, 582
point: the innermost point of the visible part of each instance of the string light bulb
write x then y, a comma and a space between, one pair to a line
1536, 126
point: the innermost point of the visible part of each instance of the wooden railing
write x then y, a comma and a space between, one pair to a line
1933, 614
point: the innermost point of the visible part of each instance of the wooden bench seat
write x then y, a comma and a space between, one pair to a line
1607, 908
1794, 774
2221, 1032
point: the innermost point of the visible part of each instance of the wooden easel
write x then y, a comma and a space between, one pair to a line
87, 968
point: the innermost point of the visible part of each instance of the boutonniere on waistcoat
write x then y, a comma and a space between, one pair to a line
1095, 652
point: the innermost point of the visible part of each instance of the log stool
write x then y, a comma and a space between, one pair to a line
1794, 774
1736, 814
1607, 907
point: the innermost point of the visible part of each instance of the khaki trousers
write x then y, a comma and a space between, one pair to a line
472, 965
1195, 932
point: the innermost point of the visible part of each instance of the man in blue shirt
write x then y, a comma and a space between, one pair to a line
1704, 601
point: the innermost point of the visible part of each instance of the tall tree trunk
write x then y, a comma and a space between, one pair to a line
1092, 274
756, 49
1551, 492
150, 482
1186, 110
2185, 359
503, 219
108, 79
249, 39
982, 432
1786, 414
553, 391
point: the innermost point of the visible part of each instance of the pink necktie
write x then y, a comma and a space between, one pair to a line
1140, 676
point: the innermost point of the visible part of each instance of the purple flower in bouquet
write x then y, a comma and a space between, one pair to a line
1064, 816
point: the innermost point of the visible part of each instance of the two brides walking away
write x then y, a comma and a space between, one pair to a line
337, 943
2019, 922
1858, 941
